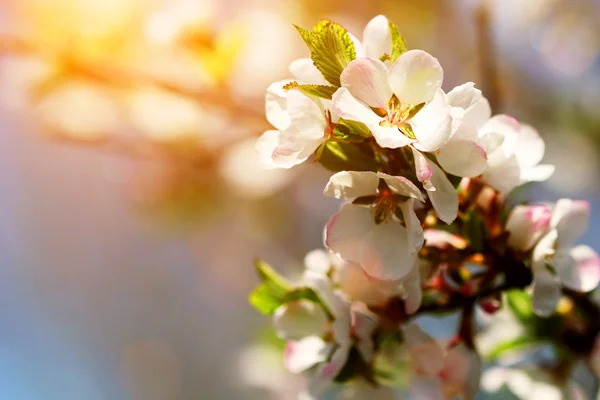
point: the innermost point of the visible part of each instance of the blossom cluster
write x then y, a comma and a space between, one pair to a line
424, 176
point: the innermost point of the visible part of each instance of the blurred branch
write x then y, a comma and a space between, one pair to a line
487, 55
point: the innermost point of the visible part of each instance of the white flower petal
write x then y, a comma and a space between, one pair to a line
349, 185
304, 354
578, 268
444, 199
276, 105
538, 173
353, 281
358, 46
422, 168
499, 137
530, 148
546, 292
265, 145
543, 249
463, 158
476, 107
318, 261
299, 319
412, 291
526, 225
413, 226
347, 107
307, 119
334, 366
377, 39
389, 137
382, 250
570, 218
426, 388
367, 80
401, 185
504, 176
293, 149
416, 76
305, 71
433, 124
426, 353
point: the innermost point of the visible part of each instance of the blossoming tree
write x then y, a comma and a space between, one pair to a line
424, 228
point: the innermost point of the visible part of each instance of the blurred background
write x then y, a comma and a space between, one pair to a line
132, 204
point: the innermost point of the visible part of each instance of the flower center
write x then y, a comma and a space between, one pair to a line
397, 114
384, 206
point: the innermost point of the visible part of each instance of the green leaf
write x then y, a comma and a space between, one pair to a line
323, 91
351, 131
475, 230
271, 278
398, 43
307, 36
332, 50
264, 299
520, 304
515, 344
340, 156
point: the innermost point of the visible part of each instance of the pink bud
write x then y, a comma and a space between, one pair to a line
526, 225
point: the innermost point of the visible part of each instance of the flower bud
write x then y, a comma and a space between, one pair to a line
298, 319
526, 225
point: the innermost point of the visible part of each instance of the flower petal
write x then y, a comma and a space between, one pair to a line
367, 80
382, 250
570, 218
433, 124
416, 76
422, 167
377, 39
413, 226
463, 158
304, 354
578, 268
349, 185
499, 137
401, 185
307, 119
318, 261
426, 353
333, 367
546, 292
504, 176
539, 173
413, 294
299, 319
304, 70
276, 105
526, 225
530, 148
477, 108
265, 145
444, 199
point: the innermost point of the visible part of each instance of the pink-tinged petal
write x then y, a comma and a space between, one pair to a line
347, 107
276, 105
440, 239
401, 185
412, 291
299, 319
570, 218
265, 145
578, 268
546, 292
462, 372
349, 185
307, 119
463, 158
426, 353
444, 199
539, 173
334, 366
377, 39
382, 250
305, 71
363, 324
433, 124
353, 281
413, 226
422, 168
367, 80
526, 225
304, 354
499, 137
416, 76
505, 176
530, 147
293, 149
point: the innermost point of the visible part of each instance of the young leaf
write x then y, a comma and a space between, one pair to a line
264, 299
279, 285
520, 303
351, 131
307, 36
340, 156
512, 345
332, 50
325, 92
398, 43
